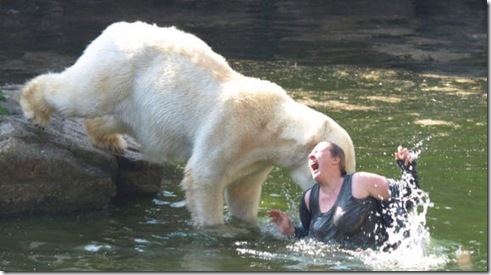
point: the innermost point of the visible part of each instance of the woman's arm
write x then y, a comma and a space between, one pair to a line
369, 184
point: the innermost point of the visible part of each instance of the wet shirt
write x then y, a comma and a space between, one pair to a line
350, 221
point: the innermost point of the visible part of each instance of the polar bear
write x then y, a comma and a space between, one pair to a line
183, 102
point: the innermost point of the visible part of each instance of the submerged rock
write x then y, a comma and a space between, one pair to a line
57, 170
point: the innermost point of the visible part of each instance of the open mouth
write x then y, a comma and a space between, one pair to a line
314, 166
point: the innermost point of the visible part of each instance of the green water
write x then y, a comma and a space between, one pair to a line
381, 109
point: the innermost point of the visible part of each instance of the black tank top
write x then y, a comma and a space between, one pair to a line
350, 221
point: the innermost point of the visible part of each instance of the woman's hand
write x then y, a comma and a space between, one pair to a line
406, 160
405, 155
282, 221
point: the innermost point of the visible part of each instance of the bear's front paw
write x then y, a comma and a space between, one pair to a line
37, 116
34, 106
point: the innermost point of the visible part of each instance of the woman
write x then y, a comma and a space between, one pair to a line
349, 209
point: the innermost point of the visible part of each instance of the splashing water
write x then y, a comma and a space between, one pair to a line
414, 251
418, 147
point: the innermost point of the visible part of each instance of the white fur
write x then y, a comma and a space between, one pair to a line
183, 102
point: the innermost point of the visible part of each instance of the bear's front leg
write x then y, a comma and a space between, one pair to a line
243, 196
204, 199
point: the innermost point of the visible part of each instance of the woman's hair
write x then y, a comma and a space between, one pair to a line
338, 152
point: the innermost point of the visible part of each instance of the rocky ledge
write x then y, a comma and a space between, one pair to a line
56, 170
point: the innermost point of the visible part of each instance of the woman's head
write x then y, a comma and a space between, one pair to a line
326, 154
337, 151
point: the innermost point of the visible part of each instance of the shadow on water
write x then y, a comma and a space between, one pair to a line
390, 72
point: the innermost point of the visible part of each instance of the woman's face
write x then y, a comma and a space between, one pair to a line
321, 160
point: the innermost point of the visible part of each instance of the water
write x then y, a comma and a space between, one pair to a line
150, 234
413, 79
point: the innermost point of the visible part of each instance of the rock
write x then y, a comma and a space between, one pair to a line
57, 170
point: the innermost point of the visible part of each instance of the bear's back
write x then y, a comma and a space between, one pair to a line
140, 40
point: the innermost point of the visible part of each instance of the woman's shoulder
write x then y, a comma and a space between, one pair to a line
366, 184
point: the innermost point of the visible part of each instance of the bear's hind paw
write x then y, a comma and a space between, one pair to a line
113, 142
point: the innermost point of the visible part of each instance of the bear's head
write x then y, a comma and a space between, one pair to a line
325, 129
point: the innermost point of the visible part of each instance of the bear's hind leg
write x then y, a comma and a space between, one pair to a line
104, 133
